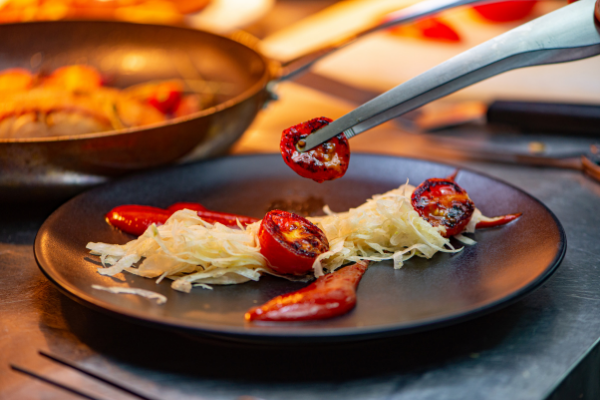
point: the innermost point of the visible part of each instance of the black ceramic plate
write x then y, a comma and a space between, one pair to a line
504, 265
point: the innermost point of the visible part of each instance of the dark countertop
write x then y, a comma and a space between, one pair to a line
544, 346
524, 351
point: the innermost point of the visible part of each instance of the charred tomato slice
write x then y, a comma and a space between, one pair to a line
325, 162
290, 242
441, 202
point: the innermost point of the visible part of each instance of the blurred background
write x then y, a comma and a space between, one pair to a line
292, 27
498, 120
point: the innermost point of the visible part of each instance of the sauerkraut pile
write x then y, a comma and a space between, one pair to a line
193, 252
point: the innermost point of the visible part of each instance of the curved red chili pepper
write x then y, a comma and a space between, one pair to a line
497, 221
330, 296
135, 219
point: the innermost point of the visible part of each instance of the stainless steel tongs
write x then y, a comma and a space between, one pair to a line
568, 34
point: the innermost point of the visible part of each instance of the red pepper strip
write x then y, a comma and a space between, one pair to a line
136, 219
225, 218
330, 296
497, 221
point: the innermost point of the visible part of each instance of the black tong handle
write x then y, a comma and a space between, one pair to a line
542, 117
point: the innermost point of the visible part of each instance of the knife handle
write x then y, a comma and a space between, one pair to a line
542, 117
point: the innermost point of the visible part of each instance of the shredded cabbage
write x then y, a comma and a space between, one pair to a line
160, 299
194, 252
386, 227
188, 250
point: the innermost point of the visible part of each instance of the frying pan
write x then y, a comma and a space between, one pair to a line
127, 54
59, 167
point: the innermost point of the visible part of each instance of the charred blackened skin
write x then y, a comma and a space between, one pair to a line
442, 202
325, 162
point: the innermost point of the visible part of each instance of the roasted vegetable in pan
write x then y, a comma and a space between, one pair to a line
73, 100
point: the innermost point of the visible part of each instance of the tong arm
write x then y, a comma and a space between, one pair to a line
568, 34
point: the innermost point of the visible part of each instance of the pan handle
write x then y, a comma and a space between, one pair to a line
419, 10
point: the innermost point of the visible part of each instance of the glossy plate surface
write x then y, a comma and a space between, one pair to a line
504, 265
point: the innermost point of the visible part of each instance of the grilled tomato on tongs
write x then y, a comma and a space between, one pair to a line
325, 162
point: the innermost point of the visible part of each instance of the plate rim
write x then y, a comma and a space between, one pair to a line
326, 334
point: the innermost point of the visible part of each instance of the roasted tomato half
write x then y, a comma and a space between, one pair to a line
441, 202
290, 242
323, 163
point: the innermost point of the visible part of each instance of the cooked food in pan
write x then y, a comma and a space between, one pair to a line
74, 100
156, 11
